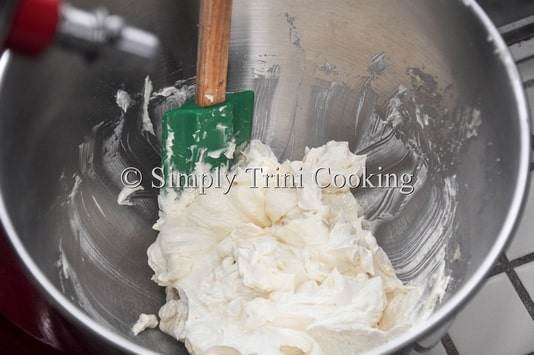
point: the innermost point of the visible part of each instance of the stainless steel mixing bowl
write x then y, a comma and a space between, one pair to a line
420, 86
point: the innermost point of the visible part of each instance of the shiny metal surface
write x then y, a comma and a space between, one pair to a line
88, 32
321, 70
6, 9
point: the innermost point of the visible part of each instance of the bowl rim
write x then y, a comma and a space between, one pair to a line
439, 318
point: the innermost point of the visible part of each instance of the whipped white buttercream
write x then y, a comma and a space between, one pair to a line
144, 322
276, 270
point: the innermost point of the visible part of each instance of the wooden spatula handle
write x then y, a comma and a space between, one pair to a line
213, 43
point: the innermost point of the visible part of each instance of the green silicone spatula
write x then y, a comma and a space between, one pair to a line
207, 128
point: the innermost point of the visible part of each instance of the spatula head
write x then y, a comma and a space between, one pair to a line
192, 134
